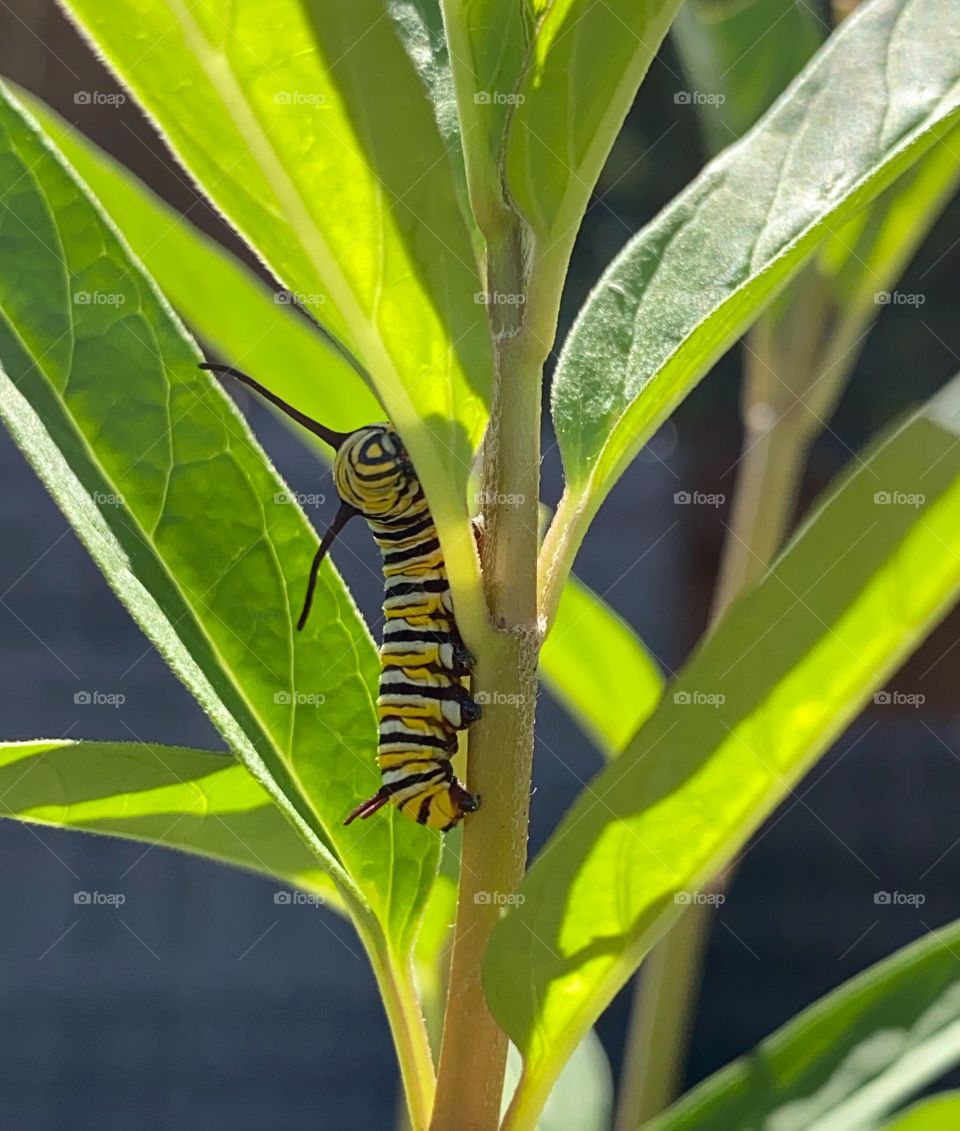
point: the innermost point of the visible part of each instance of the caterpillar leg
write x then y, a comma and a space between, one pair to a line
470, 711
463, 658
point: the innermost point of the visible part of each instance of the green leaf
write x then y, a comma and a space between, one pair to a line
582, 1097
220, 298
841, 292
187, 520
582, 73
938, 1113
198, 802
869, 253
432, 942
488, 42
851, 596
740, 56
850, 1058
598, 668
808, 342
341, 182
685, 288
419, 24
861, 263
837, 292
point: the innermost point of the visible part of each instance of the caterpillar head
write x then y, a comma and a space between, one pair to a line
373, 472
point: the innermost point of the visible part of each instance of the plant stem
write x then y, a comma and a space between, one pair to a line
778, 429
407, 1027
774, 453
473, 1048
660, 1020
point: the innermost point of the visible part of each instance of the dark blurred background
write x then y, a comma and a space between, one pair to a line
202, 1003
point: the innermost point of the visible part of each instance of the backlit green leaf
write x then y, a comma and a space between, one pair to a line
584, 66
201, 803
850, 1058
582, 1097
741, 57
488, 42
868, 255
938, 1113
598, 668
419, 24
184, 515
256, 328
861, 262
328, 160
786, 669
683, 289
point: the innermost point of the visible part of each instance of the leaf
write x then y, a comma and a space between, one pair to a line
598, 668
582, 73
488, 42
419, 24
342, 185
582, 1097
840, 293
686, 286
872, 250
938, 1113
861, 263
786, 669
866, 255
187, 520
201, 803
841, 290
222, 300
850, 1058
740, 57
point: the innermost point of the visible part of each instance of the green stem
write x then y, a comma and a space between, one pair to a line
660, 1021
774, 454
473, 1048
778, 429
407, 1027
560, 546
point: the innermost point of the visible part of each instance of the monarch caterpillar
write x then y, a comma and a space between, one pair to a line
423, 701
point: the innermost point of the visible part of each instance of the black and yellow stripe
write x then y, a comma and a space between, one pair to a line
423, 699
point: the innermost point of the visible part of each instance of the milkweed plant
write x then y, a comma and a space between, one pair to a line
412, 175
